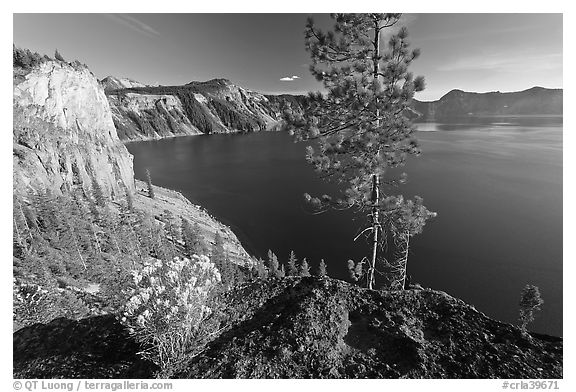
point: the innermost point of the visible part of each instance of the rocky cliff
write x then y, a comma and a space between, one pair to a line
64, 136
309, 328
113, 83
80, 219
63, 132
457, 104
215, 106
149, 116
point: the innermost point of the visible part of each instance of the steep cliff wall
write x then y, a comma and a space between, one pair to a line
63, 132
215, 106
149, 116
113, 83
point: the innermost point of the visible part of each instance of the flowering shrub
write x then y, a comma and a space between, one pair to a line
168, 303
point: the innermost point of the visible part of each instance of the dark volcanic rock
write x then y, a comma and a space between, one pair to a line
313, 328
95, 347
308, 328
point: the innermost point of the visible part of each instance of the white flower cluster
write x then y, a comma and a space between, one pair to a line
27, 293
170, 296
26, 297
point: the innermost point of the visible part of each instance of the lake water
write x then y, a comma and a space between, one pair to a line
496, 185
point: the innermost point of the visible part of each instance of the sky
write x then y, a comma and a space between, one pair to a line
265, 52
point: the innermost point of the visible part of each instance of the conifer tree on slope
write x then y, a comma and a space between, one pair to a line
193, 243
292, 269
304, 268
274, 265
322, 270
149, 184
362, 128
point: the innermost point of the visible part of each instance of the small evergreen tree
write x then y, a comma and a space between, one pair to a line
261, 270
322, 272
149, 183
200, 244
171, 232
193, 242
220, 258
129, 200
356, 270
58, 56
292, 269
282, 271
530, 302
97, 193
273, 265
304, 268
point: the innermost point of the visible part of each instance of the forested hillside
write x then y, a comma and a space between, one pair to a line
215, 106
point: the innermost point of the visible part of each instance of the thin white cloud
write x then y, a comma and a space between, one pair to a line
134, 24
505, 62
474, 33
289, 78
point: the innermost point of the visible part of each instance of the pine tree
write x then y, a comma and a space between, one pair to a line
282, 271
171, 232
530, 302
193, 242
322, 272
356, 270
199, 243
220, 258
149, 183
97, 193
261, 270
273, 265
22, 231
361, 124
129, 200
292, 269
304, 268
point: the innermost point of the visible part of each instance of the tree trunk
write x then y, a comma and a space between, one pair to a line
375, 177
404, 247
375, 228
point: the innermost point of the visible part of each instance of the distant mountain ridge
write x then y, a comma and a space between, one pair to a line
458, 103
113, 83
143, 112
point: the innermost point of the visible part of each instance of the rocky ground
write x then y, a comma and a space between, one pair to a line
310, 328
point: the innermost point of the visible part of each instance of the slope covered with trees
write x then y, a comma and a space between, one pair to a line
80, 225
215, 106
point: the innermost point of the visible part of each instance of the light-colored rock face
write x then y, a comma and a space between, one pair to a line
64, 134
149, 116
215, 106
113, 83
139, 102
247, 101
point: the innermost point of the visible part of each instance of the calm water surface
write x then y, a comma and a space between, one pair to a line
496, 185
